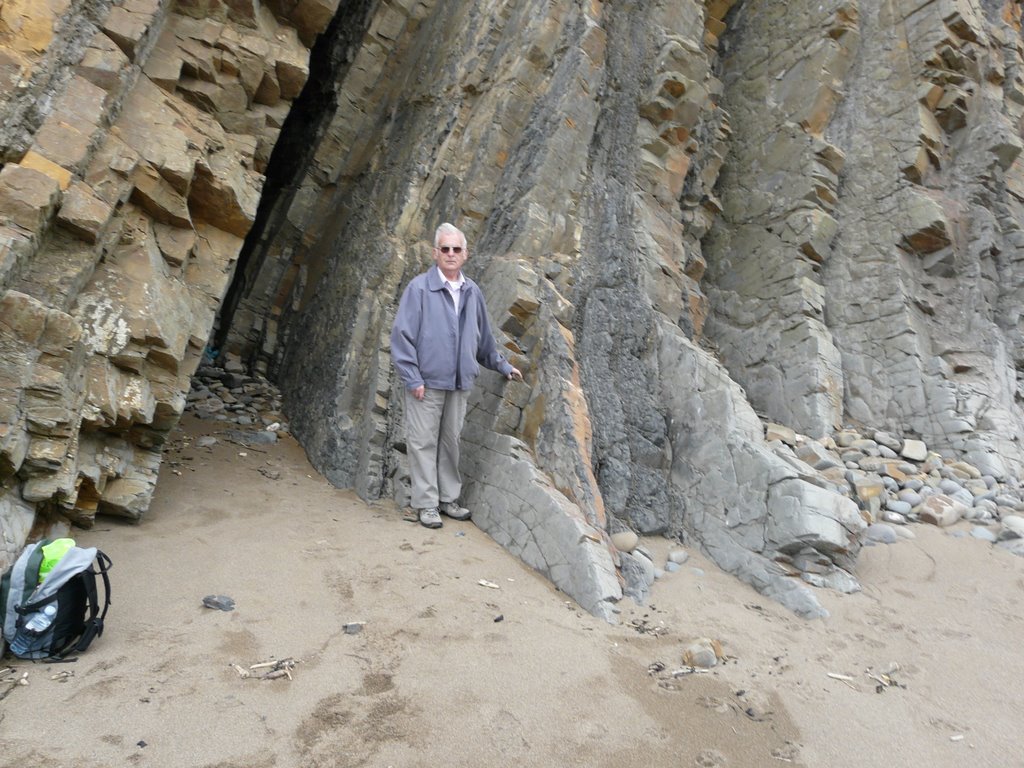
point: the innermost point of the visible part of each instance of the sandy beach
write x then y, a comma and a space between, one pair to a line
466, 657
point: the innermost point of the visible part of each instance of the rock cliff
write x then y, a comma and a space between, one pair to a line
689, 218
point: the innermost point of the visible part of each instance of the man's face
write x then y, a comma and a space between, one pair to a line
450, 254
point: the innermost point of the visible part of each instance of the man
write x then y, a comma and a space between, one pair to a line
440, 338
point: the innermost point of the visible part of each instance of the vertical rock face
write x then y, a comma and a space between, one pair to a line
135, 134
686, 217
871, 221
579, 147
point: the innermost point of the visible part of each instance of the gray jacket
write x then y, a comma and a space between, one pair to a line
433, 348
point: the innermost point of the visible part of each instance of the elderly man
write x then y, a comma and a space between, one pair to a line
440, 338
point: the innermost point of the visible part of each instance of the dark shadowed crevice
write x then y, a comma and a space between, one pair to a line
309, 117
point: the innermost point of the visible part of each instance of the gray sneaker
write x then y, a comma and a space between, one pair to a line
454, 511
429, 518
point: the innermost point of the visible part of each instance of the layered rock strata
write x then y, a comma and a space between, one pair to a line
135, 135
687, 218
579, 149
871, 232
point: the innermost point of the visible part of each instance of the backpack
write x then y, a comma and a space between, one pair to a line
60, 615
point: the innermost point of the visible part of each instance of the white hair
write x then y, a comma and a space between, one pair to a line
449, 229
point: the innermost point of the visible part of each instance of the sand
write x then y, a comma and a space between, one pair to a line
449, 672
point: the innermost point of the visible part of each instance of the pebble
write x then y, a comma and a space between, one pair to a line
671, 567
219, 602
964, 496
1013, 525
969, 469
845, 438
206, 441
625, 541
702, 653
911, 497
1015, 546
889, 441
678, 556
870, 447
986, 504
949, 486
915, 450
881, 533
697, 571
252, 438
1005, 500
978, 488
898, 506
980, 532
941, 511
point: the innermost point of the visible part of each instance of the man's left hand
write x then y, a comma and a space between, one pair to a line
515, 374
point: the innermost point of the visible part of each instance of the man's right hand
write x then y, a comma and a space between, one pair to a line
419, 391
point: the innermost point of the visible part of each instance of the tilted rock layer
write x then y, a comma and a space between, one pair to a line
687, 218
134, 139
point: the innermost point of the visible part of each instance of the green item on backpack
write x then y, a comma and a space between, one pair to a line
52, 553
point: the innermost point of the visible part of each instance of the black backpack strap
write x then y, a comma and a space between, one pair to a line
94, 624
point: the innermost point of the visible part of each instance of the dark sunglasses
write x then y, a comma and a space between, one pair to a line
452, 248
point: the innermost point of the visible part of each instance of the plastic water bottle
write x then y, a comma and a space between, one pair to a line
32, 636
40, 621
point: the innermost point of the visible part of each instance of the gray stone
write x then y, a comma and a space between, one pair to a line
846, 438
1005, 500
625, 541
881, 533
258, 437
911, 497
980, 532
964, 496
898, 506
678, 556
638, 573
941, 510
1013, 546
700, 653
915, 450
949, 486
1012, 527
888, 440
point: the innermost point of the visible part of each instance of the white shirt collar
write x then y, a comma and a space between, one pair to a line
456, 284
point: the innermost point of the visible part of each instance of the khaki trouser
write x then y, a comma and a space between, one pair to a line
432, 429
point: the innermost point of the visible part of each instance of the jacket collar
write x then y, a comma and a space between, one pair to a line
436, 283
